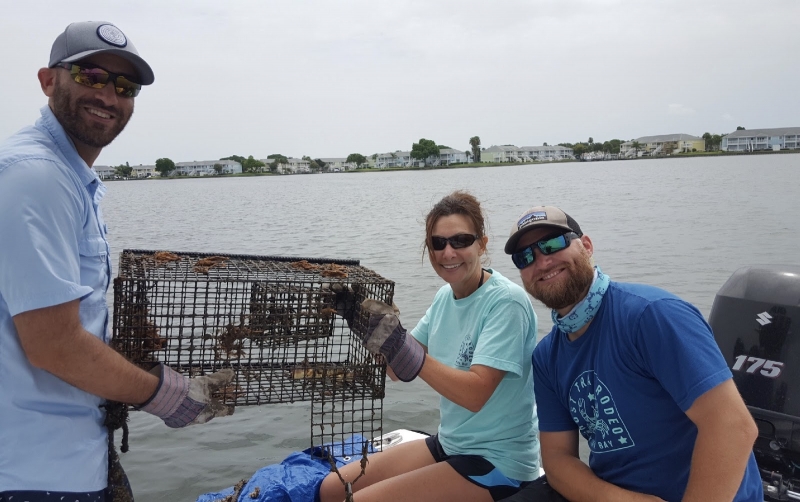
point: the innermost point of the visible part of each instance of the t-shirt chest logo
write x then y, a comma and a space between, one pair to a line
464, 358
593, 410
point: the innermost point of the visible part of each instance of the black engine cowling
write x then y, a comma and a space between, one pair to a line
756, 322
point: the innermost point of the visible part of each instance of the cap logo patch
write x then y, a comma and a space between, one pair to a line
531, 217
112, 35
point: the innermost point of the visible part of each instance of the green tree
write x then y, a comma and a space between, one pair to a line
276, 160
218, 169
614, 143
636, 145
740, 128
321, 163
357, 159
579, 149
251, 165
424, 150
545, 144
716, 141
165, 166
707, 138
237, 158
123, 171
475, 143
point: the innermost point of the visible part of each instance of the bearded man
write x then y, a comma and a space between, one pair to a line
56, 369
636, 371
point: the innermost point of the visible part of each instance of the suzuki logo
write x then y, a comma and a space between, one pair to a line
763, 318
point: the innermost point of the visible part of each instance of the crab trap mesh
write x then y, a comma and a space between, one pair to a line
273, 320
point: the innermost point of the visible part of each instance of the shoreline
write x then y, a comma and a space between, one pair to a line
473, 165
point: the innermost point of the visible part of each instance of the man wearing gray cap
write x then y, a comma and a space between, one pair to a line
56, 370
636, 371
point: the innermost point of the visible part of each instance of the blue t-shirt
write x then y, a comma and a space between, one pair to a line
53, 251
495, 326
626, 384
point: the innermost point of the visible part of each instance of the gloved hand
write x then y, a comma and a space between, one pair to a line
385, 335
182, 401
345, 301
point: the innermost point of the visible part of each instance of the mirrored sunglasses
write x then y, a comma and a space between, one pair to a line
97, 78
525, 257
457, 241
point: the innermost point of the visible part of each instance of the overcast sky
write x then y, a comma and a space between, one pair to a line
328, 78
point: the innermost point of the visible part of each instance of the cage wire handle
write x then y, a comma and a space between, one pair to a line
348, 485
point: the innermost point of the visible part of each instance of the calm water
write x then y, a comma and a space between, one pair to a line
682, 224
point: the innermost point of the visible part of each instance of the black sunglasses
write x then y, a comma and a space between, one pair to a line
553, 244
457, 241
97, 78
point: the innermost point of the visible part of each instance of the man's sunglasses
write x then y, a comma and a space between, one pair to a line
97, 78
550, 245
457, 241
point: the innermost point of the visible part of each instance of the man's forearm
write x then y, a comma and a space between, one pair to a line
92, 366
573, 479
54, 340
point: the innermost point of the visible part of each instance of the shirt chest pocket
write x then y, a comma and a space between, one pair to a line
94, 267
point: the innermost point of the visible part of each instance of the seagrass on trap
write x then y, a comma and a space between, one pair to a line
273, 320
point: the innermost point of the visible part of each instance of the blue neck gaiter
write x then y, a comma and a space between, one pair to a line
585, 310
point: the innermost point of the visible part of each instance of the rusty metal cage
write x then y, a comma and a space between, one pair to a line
273, 320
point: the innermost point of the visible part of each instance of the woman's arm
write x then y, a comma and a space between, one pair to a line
469, 389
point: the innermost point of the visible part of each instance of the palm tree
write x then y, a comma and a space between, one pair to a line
636, 145
475, 143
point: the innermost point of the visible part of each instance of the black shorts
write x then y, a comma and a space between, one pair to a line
100, 496
477, 470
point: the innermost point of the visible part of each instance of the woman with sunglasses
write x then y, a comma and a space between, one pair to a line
473, 347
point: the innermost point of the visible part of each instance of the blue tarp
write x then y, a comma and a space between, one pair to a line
298, 477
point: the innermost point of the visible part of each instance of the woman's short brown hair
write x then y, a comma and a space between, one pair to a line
459, 202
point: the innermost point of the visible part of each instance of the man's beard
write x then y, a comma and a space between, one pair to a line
67, 112
580, 275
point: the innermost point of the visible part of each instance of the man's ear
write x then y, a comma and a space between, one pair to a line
587, 243
47, 79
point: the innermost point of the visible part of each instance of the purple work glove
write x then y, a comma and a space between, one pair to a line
180, 401
385, 335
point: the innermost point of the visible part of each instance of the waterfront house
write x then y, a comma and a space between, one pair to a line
206, 167
394, 159
142, 171
544, 153
501, 153
780, 138
336, 164
104, 172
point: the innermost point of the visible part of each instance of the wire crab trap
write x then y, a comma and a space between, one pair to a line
273, 320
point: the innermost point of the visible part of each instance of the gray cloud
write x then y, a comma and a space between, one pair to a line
331, 78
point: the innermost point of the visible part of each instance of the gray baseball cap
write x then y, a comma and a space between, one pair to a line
83, 39
537, 217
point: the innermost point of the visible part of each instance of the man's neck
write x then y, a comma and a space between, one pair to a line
88, 153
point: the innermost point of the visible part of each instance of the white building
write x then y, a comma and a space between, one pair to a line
142, 171
206, 167
104, 172
394, 159
337, 164
543, 153
450, 156
781, 138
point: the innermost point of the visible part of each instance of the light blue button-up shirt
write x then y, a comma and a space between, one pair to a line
53, 250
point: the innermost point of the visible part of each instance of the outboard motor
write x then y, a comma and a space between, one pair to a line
756, 322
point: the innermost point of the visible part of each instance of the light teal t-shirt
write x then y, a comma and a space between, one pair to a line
495, 326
